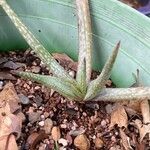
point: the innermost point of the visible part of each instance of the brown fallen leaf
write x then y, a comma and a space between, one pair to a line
12, 65
9, 95
8, 143
125, 140
6, 76
98, 143
134, 105
143, 128
37, 139
10, 124
61, 58
145, 111
119, 117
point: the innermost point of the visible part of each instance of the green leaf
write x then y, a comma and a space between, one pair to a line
85, 39
98, 84
54, 23
62, 86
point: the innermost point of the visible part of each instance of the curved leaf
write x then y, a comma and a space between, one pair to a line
54, 23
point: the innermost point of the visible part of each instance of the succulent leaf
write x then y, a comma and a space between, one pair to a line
62, 86
85, 38
98, 84
39, 49
81, 80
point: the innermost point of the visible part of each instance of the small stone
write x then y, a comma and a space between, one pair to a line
82, 142
113, 139
48, 125
24, 99
72, 73
99, 143
62, 141
116, 147
34, 116
56, 133
37, 87
21, 116
46, 114
35, 69
42, 117
103, 123
63, 126
42, 147
41, 123
1, 84
84, 114
109, 108
38, 100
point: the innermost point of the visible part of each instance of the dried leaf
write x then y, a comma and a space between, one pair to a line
143, 129
82, 142
37, 139
99, 143
12, 65
119, 117
32, 138
10, 124
145, 111
61, 58
9, 95
125, 140
8, 143
135, 105
6, 76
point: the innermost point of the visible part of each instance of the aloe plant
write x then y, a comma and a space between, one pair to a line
81, 88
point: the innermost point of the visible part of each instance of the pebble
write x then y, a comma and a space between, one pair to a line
117, 147
35, 69
34, 116
113, 139
82, 142
99, 143
109, 108
41, 123
46, 114
63, 126
24, 99
21, 116
103, 123
38, 100
55, 133
42, 117
62, 141
1, 84
72, 73
48, 124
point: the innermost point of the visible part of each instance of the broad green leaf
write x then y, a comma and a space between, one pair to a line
54, 23
38, 48
60, 85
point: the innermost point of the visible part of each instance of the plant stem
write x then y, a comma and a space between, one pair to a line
85, 38
121, 94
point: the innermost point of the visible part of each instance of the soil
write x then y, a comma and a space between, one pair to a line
72, 118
